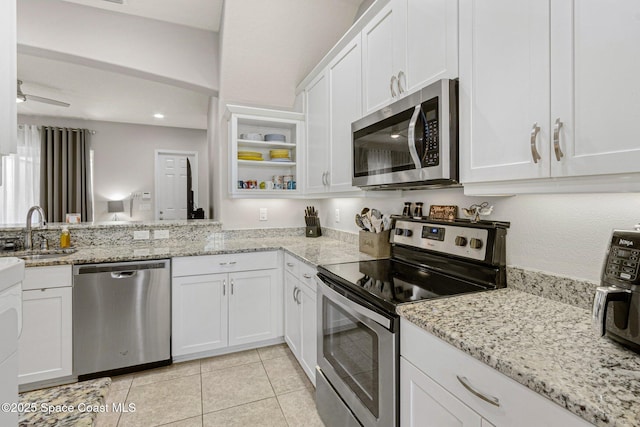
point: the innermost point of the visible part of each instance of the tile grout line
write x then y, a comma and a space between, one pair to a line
275, 394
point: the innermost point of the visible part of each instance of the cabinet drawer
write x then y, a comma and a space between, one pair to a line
518, 405
307, 275
211, 264
57, 276
292, 264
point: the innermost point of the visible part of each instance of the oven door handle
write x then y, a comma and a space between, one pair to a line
411, 139
352, 306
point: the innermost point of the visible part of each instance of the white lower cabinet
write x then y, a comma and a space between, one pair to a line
45, 346
443, 386
424, 403
223, 301
300, 329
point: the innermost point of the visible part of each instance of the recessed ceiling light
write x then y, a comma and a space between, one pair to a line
158, 116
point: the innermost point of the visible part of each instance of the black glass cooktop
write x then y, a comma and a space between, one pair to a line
390, 282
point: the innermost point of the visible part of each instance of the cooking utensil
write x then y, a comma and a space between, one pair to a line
376, 213
386, 222
364, 211
359, 222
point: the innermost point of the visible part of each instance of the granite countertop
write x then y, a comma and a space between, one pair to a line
75, 404
545, 345
315, 251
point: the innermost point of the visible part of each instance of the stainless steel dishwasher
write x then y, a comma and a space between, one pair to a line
121, 317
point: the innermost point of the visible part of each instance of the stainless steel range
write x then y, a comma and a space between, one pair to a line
358, 328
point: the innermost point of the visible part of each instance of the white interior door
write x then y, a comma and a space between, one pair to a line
171, 184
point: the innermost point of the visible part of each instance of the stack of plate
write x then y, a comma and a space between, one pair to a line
250, 155
280, 155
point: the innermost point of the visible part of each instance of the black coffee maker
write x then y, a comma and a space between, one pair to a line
616, 307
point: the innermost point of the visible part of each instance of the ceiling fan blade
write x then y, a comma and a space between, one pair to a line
46, 100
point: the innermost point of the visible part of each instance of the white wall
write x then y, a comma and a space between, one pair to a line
7, 78
565, 234
170, 53
124, 160
267, 48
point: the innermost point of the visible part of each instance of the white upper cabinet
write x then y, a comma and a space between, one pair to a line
317, 123
345, 104
431, 40
595, 87
504, 89
548, 89
380, 82
407, 45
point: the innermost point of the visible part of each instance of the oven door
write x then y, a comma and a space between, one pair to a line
358, 356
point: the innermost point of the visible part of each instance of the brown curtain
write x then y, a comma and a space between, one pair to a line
65, 174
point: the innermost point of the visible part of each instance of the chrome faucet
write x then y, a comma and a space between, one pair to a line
28, 239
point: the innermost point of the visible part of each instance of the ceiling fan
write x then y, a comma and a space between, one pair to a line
22, 97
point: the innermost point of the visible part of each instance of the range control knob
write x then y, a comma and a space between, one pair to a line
475, 243
461, 241
403, 232
408, 233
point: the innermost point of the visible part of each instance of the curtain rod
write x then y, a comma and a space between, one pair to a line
92, 132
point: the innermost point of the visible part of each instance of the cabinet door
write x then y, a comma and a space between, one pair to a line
504, 89
424, 403
345, 74
595, 86
199, 313
292, 320
309, 317
377, 60
255, 306
317, 152
45, 346
431, 32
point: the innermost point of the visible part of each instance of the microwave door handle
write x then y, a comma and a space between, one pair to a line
605, 295
412, 137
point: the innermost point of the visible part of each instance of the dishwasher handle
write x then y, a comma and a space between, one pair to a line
123, 274
122, 267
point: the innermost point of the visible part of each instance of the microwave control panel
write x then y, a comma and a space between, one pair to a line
431, 154
624, 255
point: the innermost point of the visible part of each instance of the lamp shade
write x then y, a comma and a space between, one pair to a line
115, 206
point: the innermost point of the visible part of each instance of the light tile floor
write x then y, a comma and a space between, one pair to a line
263, 387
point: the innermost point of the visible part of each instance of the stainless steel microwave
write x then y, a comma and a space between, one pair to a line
412, 143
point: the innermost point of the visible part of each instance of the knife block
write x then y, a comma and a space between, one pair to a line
313, 231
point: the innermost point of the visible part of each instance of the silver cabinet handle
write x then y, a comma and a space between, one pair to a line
534, 150
293, 294
231, 286
296, 296
324, 180
487, 398
400, 75
290, 264
224, 263
232, 263
604, 295
307, 276
328, 178
556, 139
412, 137
224, 287
393, 92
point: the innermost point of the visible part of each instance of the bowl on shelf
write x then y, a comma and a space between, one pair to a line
249, 155
252, 136
279, 155
276, 137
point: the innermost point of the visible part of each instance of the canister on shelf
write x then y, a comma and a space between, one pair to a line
277, 182
287, 182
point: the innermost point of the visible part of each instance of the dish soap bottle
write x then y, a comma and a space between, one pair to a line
65, 238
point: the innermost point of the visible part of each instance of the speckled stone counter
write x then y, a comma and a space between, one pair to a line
315, 251
68, 405
545, 345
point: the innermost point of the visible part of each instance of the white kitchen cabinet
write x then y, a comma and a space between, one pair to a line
537, 99
255, 306
345, 106
504, 403
406, 46
317, 125
301, 314
424, 403
221, 301
45, 345
246, 120
199, 313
